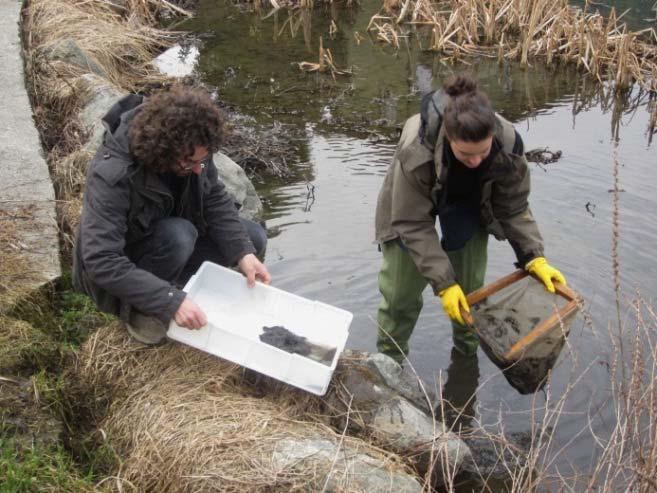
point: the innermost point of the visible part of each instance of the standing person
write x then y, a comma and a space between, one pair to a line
154, 210
459, 161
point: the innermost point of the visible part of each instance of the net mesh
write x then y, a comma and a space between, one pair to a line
508, 315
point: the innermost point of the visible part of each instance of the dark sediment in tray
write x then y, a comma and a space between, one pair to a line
280, 337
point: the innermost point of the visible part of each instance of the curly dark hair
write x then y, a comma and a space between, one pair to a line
171, 124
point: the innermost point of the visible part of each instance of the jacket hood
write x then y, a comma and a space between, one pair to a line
117, 122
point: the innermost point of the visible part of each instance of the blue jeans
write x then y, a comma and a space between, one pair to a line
174, 251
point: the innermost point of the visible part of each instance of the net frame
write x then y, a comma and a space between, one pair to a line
524, 345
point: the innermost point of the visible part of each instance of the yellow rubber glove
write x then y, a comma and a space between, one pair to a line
453, 300
545, 272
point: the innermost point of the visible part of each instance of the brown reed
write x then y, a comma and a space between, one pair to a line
325, 63
552, 30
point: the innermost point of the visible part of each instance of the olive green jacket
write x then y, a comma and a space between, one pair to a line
408, 200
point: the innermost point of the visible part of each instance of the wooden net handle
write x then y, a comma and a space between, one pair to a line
541, 329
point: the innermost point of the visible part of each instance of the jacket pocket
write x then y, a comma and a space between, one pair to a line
140, 224
143, 220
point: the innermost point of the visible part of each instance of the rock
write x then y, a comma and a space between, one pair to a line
341, 467
101, 95
67, 50
371, 395
496, 460
402, 424
239, 186
400, 381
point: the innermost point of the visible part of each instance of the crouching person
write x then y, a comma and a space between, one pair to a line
154, 210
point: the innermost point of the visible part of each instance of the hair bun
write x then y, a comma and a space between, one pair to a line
457, 85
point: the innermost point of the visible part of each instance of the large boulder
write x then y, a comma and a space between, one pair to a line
373, 396
340, 467
69, 51
98, 97
240, 187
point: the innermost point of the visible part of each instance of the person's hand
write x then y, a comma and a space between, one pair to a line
545, 272
454, 300
254, 270
190, 315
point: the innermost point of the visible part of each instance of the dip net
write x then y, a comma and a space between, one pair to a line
522, 327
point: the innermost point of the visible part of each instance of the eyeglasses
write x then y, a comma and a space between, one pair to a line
190, 164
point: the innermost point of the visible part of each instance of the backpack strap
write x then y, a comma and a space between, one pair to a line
431, 118
510, 139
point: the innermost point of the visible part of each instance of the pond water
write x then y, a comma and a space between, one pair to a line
320, 218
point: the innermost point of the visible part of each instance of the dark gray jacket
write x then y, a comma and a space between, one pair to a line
121, 201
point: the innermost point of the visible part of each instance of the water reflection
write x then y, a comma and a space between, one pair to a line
639, 14
386, 86
321, 245
460, 392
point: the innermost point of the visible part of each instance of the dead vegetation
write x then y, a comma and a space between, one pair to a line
289, 4
15, 269
553, 31
325, 63
65, 41
624, 452
183, 420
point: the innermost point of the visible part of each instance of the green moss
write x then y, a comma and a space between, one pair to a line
45, 446
59, 311
24, 348
39, 469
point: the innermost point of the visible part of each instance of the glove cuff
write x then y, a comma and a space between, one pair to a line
535, 263
441, 293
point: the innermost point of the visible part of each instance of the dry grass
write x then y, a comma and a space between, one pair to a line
628, 456
521, 30
16, 272
69, 181
23, 348
289, 4
63, 41
119, 45
182, 420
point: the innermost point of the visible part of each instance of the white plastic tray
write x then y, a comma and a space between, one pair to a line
236, 317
